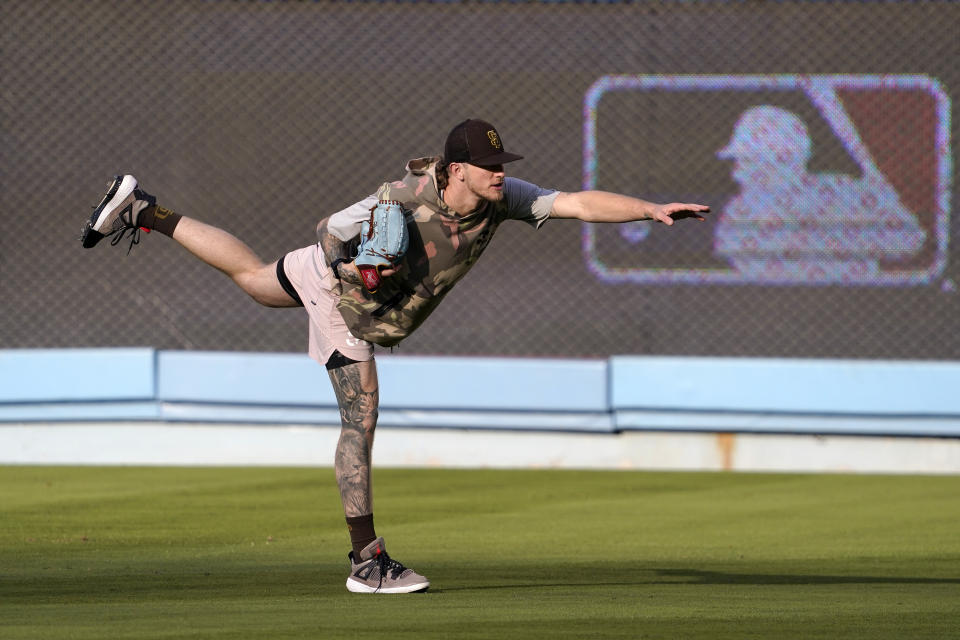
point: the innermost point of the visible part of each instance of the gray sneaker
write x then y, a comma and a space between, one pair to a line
379, 573
117, 213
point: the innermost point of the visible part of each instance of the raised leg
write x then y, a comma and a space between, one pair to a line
233, 257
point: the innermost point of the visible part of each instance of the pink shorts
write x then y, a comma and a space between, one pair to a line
311, 277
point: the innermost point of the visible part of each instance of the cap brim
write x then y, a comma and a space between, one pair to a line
499, 158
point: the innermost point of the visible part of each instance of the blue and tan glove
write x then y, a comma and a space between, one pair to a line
383, 241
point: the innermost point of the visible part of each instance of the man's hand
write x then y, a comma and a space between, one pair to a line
350, 273
670, 213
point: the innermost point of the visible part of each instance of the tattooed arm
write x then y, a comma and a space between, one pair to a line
333, 248
358, 396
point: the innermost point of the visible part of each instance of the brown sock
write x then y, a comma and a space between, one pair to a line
361, 533
158, 219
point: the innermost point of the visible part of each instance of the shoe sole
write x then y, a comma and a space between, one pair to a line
121, 188
359, 587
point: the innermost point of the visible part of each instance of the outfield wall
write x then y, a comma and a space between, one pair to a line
147, 406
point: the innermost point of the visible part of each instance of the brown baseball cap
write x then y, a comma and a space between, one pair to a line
476, 142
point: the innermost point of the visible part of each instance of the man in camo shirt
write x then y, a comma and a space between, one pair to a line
453, 205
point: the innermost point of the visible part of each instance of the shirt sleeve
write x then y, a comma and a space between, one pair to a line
527, 202
345, 224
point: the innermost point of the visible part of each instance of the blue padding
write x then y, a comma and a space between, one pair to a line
786, 386
420, 382
492, 383
62, 375
624, 393
243, 378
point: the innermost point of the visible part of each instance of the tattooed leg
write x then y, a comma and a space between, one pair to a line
358, 396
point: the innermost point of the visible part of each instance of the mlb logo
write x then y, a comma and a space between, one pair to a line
812, 180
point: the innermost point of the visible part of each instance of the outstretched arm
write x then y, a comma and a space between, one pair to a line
603, 206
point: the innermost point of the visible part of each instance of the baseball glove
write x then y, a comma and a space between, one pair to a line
383, 241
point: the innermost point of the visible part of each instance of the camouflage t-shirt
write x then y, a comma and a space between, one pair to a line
443, 247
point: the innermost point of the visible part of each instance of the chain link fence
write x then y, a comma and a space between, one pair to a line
830, 232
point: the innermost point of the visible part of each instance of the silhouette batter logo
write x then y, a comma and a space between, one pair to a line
881, 222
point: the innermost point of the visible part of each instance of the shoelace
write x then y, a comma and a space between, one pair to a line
117, 237
387, 565
126, 216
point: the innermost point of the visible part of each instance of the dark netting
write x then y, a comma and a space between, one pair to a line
263, 117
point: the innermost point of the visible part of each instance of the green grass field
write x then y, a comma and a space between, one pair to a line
111, 553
